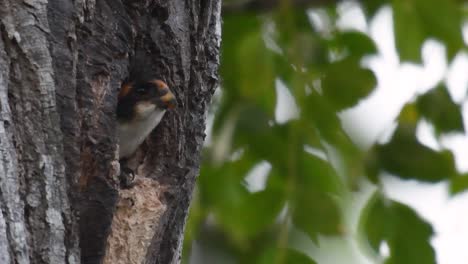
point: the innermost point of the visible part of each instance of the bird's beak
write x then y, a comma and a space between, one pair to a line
168, 101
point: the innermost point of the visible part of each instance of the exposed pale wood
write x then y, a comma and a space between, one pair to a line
138, 214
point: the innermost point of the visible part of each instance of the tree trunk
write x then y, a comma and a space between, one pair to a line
61, 66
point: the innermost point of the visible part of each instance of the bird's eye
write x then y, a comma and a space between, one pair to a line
140, 91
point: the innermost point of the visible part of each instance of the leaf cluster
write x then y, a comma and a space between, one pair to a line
314, 165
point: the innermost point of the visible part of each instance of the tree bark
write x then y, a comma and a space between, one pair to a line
61, 66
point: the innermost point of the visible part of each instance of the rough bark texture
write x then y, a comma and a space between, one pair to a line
61, 65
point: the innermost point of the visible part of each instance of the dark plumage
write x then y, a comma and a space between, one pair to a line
141, 106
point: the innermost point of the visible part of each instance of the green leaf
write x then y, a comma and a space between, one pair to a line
284, 256
221, 185
256, 72
438, 107
315, 209
317, 174
351, 159
405, 157
320, 113
406, 20
417, 20
255, 130
317, 213
306, 50
354, 43
375, 222
372, 6
409, 115
372, 166
289, 23
320, 116
257, 212
301, 46
243, 214
345, 83
459, 184
406, 234
283, 68
236, 29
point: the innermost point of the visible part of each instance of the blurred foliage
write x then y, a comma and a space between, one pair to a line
313, 165
405, 233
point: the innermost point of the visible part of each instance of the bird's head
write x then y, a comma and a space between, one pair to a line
139, 99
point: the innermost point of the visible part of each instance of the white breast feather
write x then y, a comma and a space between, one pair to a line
132, 134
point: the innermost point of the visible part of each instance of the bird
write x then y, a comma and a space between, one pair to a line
140, 108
